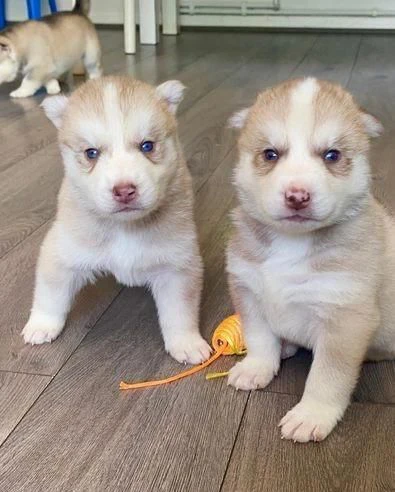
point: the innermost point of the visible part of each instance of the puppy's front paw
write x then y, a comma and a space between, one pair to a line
190, 348
40, 329
309, 422
251, 374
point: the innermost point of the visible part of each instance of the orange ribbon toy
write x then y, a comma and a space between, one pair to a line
227, 340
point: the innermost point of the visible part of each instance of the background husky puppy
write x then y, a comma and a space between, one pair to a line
42, 51
125, 207
312, 258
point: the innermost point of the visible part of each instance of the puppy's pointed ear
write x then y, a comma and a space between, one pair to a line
54, 107
172, 92
238, 119
372, 125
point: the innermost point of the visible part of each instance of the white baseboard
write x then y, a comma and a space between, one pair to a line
289, 21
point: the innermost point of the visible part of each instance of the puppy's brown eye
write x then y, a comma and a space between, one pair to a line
332, 155
92, 154
271, 155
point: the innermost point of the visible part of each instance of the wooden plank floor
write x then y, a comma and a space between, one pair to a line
64, 424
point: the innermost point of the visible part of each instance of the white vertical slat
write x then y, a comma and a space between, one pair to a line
129, 29
149, 21
170, 18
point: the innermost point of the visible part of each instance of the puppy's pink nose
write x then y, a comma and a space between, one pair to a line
124, 193
297, 198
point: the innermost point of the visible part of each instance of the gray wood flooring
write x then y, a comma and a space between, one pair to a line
64, 425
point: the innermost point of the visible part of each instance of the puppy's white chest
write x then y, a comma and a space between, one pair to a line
294, 295
286, 272
284, 289
130, 257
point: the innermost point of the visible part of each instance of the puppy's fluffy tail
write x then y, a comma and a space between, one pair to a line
82, 7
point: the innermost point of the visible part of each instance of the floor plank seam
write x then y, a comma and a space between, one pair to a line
6, 253
234, 442
304, 56
214, 170
26, 412
366, 402
60, 368
18, 161
26, 373
354, 61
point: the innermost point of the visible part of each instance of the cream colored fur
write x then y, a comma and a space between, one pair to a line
325, 281
43, 51
151, 241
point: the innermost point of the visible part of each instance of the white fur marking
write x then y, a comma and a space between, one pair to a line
300, 119
113, 115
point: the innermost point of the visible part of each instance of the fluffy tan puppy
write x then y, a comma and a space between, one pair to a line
43, 51
125, 207
312, 259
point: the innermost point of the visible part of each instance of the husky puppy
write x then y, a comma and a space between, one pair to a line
312, 259
42, 51
125, 207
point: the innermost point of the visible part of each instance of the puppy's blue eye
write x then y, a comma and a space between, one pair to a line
270, 155
147, 146
92, 154
332, 155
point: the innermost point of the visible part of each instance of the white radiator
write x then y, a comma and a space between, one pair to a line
348, 14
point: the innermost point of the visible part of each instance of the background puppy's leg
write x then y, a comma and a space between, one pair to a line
38, 74
28, 87
78, 69
262, 361
68, 79
338, 356
92, 59
177, 296
52, 86
56, 286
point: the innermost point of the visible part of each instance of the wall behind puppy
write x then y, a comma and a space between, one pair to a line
327, 14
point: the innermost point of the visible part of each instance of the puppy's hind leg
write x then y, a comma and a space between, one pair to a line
288, 349
92, 59
52, 87
78, 69
383, 346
